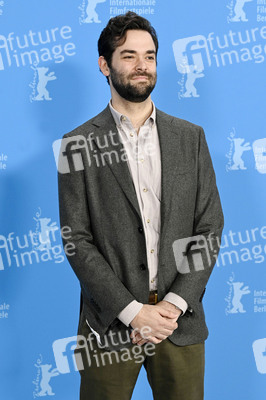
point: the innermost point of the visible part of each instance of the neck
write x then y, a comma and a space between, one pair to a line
136, 112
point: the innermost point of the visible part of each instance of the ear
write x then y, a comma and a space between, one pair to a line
103, 66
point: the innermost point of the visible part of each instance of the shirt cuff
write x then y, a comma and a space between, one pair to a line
178, 301
129, 312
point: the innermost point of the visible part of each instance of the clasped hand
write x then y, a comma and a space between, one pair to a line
159, 320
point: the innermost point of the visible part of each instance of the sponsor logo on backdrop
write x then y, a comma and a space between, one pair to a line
51, 45
39, 83
41, 245
140, 7
3, 161
237, 298
234, 298
4, 310
261, 11
88, 11
259, 350
1, 7
237, 153
196, 54
42, 382
237, 11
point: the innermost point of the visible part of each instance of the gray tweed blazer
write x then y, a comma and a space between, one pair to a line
98, 202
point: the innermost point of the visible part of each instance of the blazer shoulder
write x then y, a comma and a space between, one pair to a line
86, 126
181, 124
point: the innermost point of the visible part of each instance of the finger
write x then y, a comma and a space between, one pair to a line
168, 313
137, 338
141, 342
134, 333
154, 340
167, 324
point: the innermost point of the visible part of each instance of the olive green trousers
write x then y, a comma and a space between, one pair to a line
173, 372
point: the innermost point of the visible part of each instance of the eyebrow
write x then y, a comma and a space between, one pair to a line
134, 52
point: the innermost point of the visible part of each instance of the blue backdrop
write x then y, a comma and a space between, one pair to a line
211, 71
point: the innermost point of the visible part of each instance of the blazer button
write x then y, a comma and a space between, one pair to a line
142, 267
140, 229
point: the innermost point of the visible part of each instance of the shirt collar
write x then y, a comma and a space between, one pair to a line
120, 118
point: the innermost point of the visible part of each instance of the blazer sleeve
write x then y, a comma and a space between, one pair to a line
208, 222
101, 288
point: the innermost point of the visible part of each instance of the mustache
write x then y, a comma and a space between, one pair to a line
141, 74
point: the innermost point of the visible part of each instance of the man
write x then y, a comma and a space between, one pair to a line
139, 185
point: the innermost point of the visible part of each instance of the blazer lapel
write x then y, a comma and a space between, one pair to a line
168, 147
120, 169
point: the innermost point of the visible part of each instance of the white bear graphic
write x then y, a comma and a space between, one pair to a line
238, 293
239, 149
92, 15
240, 14
46, 388
43, 80
192, 75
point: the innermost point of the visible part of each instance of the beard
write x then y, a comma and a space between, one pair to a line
134, 93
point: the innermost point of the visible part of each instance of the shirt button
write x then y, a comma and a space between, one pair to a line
152, 250
123, 118
148, 220
142, 159
152, 280
131, 134
145, 190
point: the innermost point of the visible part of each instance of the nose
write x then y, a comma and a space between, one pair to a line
141, 64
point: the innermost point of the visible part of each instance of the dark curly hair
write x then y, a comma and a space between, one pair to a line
114, 34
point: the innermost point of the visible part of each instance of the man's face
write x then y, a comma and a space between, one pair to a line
133, 70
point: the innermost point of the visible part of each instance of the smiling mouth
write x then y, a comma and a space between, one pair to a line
140, 77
